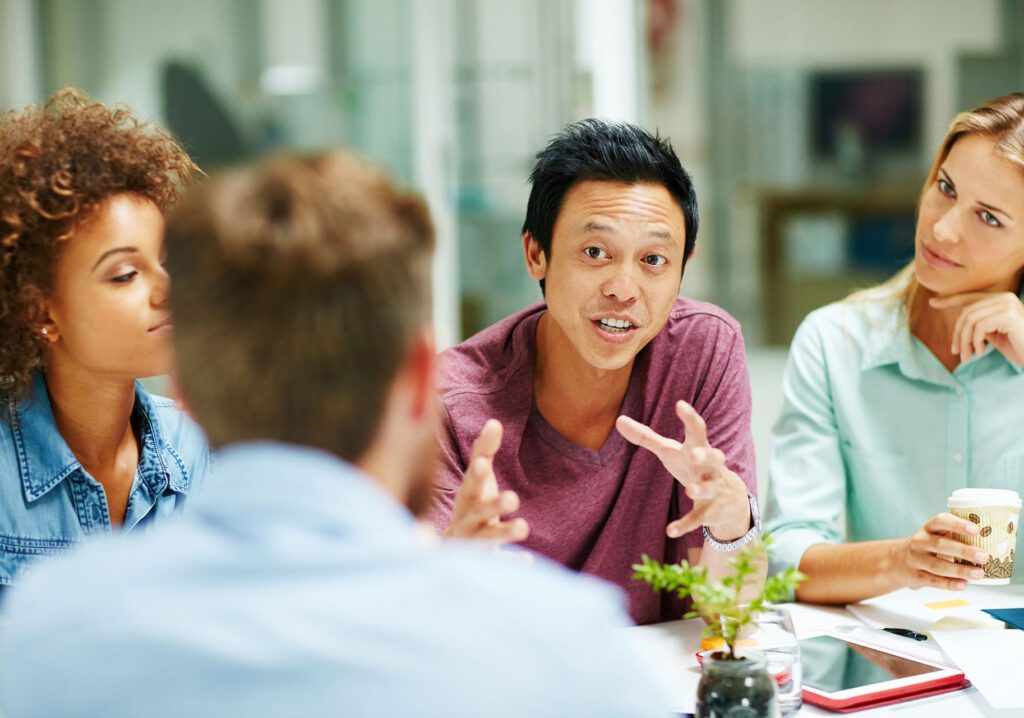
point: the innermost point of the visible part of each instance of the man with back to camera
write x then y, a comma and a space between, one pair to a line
543, 409
299, 584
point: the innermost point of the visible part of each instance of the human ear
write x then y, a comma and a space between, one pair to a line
536, 260
39, 313
421, 364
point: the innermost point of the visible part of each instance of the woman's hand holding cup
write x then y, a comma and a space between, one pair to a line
928, 558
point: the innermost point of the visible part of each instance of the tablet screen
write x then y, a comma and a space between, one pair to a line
831, 664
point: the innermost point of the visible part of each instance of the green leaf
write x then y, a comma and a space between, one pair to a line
718, 601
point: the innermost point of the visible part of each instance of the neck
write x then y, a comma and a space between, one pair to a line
579, 400
92, 414
934, 327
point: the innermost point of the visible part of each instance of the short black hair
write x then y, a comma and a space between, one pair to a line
594, 149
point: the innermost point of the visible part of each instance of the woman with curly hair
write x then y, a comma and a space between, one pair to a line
84, 449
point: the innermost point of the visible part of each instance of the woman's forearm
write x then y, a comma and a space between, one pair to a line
847, 573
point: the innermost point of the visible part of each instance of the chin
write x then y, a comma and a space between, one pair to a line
611, 362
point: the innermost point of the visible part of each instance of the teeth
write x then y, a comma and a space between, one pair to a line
615, 325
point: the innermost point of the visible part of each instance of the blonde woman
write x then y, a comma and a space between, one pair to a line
905, 392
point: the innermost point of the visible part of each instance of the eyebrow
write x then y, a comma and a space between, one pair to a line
109, 252
986, 205
597, 228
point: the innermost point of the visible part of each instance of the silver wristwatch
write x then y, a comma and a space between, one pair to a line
755, 530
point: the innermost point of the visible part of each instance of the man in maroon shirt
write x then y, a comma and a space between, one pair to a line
613, 419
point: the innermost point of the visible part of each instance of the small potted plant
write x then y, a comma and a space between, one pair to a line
728, 679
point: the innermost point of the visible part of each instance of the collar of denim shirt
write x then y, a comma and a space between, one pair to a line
891, 342
45, 459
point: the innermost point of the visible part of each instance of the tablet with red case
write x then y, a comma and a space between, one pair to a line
842, 673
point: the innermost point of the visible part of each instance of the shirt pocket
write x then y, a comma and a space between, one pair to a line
878, 487
17, 553
1013, 473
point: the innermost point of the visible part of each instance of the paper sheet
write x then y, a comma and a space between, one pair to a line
991, 659
924, 609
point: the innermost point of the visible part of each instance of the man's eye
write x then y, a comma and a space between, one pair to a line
655, 260
989, 219
124, 278
946, 188
596, 253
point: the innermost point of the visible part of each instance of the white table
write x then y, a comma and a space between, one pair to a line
670, 650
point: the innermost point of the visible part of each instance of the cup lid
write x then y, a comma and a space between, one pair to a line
965, 498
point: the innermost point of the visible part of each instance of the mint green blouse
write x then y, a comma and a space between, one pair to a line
875, 433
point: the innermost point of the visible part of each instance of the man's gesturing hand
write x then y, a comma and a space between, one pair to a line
719, 495
479, 505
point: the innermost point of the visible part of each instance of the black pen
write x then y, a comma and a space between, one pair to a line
907, 633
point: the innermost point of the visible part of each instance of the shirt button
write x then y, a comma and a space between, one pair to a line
958, 457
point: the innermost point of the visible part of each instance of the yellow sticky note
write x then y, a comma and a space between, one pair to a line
952, 603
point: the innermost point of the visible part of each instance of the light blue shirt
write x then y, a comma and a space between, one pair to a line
874, 429
296, 587
50, 503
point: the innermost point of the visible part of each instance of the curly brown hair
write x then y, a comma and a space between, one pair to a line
59, 163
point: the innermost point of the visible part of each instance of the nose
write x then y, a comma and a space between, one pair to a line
622, 284
161, 287
947, 228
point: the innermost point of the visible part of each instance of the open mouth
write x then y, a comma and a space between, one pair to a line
614, 326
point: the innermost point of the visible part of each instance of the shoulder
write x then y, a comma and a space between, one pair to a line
490, 360
691, 319
183, 440
533, 594
704, 334
848, 324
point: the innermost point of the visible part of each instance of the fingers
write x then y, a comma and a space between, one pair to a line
948, 523
965, 330
481, 519
487, 511
696, 429
479, 506
479, 480
706, 464
644, 436
504, 532
489, 440
978, 307
957, 300
687, 523
930, 555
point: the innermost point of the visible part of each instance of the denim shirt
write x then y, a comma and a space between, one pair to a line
50, 503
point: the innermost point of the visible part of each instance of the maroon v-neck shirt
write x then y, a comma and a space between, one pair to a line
598, 511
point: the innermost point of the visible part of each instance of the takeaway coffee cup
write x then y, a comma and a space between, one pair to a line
996, 512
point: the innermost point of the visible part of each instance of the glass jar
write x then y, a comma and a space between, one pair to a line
736, 688
776, 640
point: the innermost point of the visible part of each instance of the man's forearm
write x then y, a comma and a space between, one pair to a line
718, 567
847, 573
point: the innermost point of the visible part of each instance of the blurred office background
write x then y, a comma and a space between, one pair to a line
808, 124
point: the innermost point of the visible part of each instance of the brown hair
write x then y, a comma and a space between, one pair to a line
296, 287
1001, 120
58, 163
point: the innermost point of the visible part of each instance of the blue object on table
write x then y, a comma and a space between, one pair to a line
1011, 616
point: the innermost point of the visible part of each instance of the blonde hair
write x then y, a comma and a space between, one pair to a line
1001, 120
